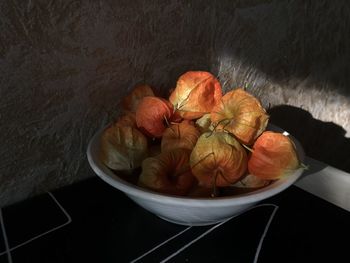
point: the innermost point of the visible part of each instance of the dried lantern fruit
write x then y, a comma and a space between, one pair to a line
127, 119
132, 100
152, 115
123, 147
251, 181
241, 114
273, 156
218, 159
204, 123
168, 172
248, 183
180, 135
196, 93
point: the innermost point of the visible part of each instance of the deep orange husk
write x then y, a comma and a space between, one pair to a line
241, 114
196, 93
180, 135
274, 156
218, 159
132, 100
168, 172
152, 115
123, 147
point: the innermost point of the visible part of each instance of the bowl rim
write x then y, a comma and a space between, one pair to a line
132, 190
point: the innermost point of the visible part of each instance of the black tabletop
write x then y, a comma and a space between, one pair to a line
93, 222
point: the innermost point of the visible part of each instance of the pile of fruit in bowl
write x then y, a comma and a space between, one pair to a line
197, 149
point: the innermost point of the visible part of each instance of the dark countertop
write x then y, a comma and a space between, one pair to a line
93, 222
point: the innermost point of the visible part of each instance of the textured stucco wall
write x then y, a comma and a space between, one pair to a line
64, 65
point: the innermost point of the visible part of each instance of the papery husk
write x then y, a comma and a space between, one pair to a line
127, 119
218, 159
168, 172
123, 147
152, 115
241, 114
132, 100
273, 156
204, 123
196, 93
251, 181
180, 135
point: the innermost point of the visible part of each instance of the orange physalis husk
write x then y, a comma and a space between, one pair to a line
241, 114
123, 147
132, 100
273, 156
152, 115
218, 159
180, 135
196, 93
168, 172
127, 119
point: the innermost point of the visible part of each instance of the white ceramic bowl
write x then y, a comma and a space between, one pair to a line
188, 210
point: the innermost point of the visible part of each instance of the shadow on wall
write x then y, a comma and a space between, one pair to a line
287, 53
324, 141
285, 40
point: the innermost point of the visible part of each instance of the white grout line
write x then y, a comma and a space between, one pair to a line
223, 222
256, 257
161, 244
187, 245
8, 252
194, 240
69, 220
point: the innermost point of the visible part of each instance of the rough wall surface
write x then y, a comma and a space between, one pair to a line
64, 66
